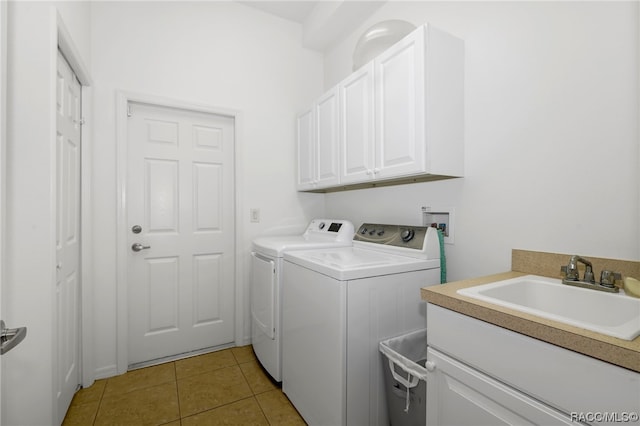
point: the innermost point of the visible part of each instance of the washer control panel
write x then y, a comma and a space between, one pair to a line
412, 237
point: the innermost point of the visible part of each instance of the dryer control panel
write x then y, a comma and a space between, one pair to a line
329, 229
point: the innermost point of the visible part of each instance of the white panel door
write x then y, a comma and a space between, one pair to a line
357, 126
180, 192
3, 102
400, 112
68, 115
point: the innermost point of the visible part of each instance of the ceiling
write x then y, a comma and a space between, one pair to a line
324, 22
296, 11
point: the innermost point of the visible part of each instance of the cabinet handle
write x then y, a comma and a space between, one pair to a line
430, 365
376, 171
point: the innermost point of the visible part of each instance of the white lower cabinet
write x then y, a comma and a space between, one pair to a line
459, 395
482, 374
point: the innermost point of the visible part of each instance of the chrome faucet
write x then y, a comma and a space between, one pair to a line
571, 270
572, 276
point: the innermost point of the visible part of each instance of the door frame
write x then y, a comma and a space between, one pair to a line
3, 156
64, 42
122, 320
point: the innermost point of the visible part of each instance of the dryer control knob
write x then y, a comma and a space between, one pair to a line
407, 235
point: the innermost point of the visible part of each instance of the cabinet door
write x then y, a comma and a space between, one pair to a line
327, 160
460, 395
400, 107
306, 151
357, 126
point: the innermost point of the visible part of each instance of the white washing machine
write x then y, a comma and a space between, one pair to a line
266, 284
338, 304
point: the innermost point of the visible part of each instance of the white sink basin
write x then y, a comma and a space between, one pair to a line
613, 314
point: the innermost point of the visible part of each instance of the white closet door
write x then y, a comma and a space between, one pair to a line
68, 116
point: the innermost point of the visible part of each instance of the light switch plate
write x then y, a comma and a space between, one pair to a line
254, 215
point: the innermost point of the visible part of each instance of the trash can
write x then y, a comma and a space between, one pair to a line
405, 378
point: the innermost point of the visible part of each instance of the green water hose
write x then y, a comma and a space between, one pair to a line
443, 259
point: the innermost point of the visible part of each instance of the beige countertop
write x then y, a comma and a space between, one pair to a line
610, 349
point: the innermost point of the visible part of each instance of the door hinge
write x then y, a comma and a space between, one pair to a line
129, 113
83, 121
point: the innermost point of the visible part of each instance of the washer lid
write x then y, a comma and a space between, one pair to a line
350, 263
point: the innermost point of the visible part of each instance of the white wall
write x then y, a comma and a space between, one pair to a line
221, 54
551, 132
29, 288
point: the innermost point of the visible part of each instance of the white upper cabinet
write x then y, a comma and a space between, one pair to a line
357, 126
318, 145
400, 110
306, 151
328, 158
401, 116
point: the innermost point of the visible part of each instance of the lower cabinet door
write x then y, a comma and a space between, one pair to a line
460, 395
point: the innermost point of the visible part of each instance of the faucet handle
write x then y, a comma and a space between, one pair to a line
570, 272
608, 278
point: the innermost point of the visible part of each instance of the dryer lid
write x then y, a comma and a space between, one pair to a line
320, 233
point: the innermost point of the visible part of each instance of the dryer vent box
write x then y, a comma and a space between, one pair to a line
441, 218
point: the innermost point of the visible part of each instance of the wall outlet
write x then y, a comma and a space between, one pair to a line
254, 215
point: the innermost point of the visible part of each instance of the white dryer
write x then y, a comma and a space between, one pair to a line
338, 304
266, 283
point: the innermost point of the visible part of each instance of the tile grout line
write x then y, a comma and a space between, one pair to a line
95, 417
220, 406
175, 375
236, 364
239, 359
252, 391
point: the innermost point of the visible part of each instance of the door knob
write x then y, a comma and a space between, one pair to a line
139, 247
10, 337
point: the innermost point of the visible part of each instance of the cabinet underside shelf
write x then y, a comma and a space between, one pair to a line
376, 184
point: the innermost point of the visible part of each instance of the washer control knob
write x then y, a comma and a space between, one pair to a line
363, 231
380, 232
321, 226
407, 235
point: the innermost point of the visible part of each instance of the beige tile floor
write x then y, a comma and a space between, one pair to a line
227, 387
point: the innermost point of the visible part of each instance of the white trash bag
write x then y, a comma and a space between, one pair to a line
404, 373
